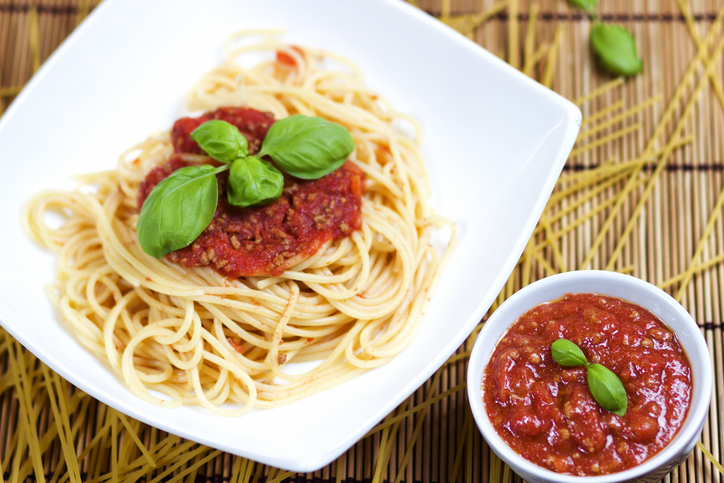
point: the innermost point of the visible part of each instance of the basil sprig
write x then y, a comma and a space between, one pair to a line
606, 388
221, 140
253, 181
307, 147
614, 46
616, 49
568, 354
178, 209
181, 206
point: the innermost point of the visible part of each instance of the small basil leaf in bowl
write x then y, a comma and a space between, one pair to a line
568, 354
253, 181
221, 140
616, 49
178, 210
607, 389
307, 147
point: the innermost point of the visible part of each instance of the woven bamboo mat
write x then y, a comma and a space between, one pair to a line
642, 194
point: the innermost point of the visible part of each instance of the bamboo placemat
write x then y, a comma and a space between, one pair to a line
642, 194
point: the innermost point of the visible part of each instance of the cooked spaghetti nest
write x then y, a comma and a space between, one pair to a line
179, 335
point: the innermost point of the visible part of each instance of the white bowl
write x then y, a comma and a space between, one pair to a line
616, 285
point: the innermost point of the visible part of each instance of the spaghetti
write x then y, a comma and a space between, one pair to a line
180, 335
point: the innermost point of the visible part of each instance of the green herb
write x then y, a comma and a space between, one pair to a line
566, 353
587, 5
616, 49
221, 140
178, 210
606, 388
614, 46
253, 181
307, 147
181, 206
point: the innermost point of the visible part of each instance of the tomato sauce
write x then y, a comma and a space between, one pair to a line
546, 412
286, 59
268, 239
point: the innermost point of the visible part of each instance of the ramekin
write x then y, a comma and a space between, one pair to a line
612, 284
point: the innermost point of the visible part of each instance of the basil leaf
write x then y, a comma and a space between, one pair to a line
587, 5
253, 181
307, 147
178, 210
568, 354
221, 140
616, 49
607, 389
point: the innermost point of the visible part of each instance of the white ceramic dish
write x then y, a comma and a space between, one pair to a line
495, 144
612, 284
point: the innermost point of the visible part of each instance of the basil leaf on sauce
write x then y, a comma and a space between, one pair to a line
607, 389
568, 354
178, 210
253, 181
307, 147
180, 207
221, 140
616, 49
587, 5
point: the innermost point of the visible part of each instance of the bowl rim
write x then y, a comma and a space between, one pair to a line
689, 430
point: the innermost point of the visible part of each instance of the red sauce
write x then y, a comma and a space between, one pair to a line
546, 412
286, 59
269, 239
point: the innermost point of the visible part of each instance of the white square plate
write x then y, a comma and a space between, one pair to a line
495, 142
